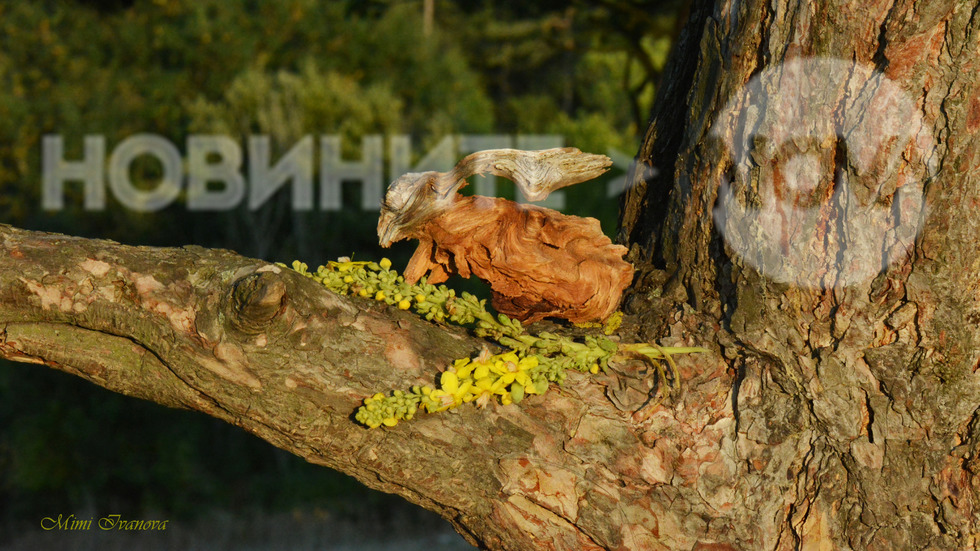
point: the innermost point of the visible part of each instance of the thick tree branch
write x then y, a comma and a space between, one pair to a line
273, 352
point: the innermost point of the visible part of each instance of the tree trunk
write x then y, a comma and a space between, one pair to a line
811, 218
816, 197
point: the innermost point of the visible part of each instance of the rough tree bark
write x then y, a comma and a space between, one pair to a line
854, 395
839, 413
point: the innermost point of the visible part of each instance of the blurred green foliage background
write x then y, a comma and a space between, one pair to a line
584, 70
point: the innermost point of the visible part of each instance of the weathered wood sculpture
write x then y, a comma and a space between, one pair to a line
539, 262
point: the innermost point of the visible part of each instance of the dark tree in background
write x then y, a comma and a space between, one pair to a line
804, 203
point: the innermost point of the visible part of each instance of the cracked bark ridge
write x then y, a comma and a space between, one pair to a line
538, 262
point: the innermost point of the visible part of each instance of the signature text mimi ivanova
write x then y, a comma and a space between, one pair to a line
109, 522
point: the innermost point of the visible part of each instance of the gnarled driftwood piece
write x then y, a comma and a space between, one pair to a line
540, 263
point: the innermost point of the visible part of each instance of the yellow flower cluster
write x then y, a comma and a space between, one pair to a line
532, 362
506, 377
477, 381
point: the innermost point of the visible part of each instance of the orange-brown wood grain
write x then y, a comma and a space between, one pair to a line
539, 262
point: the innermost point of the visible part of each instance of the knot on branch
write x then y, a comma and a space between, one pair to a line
256, 300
